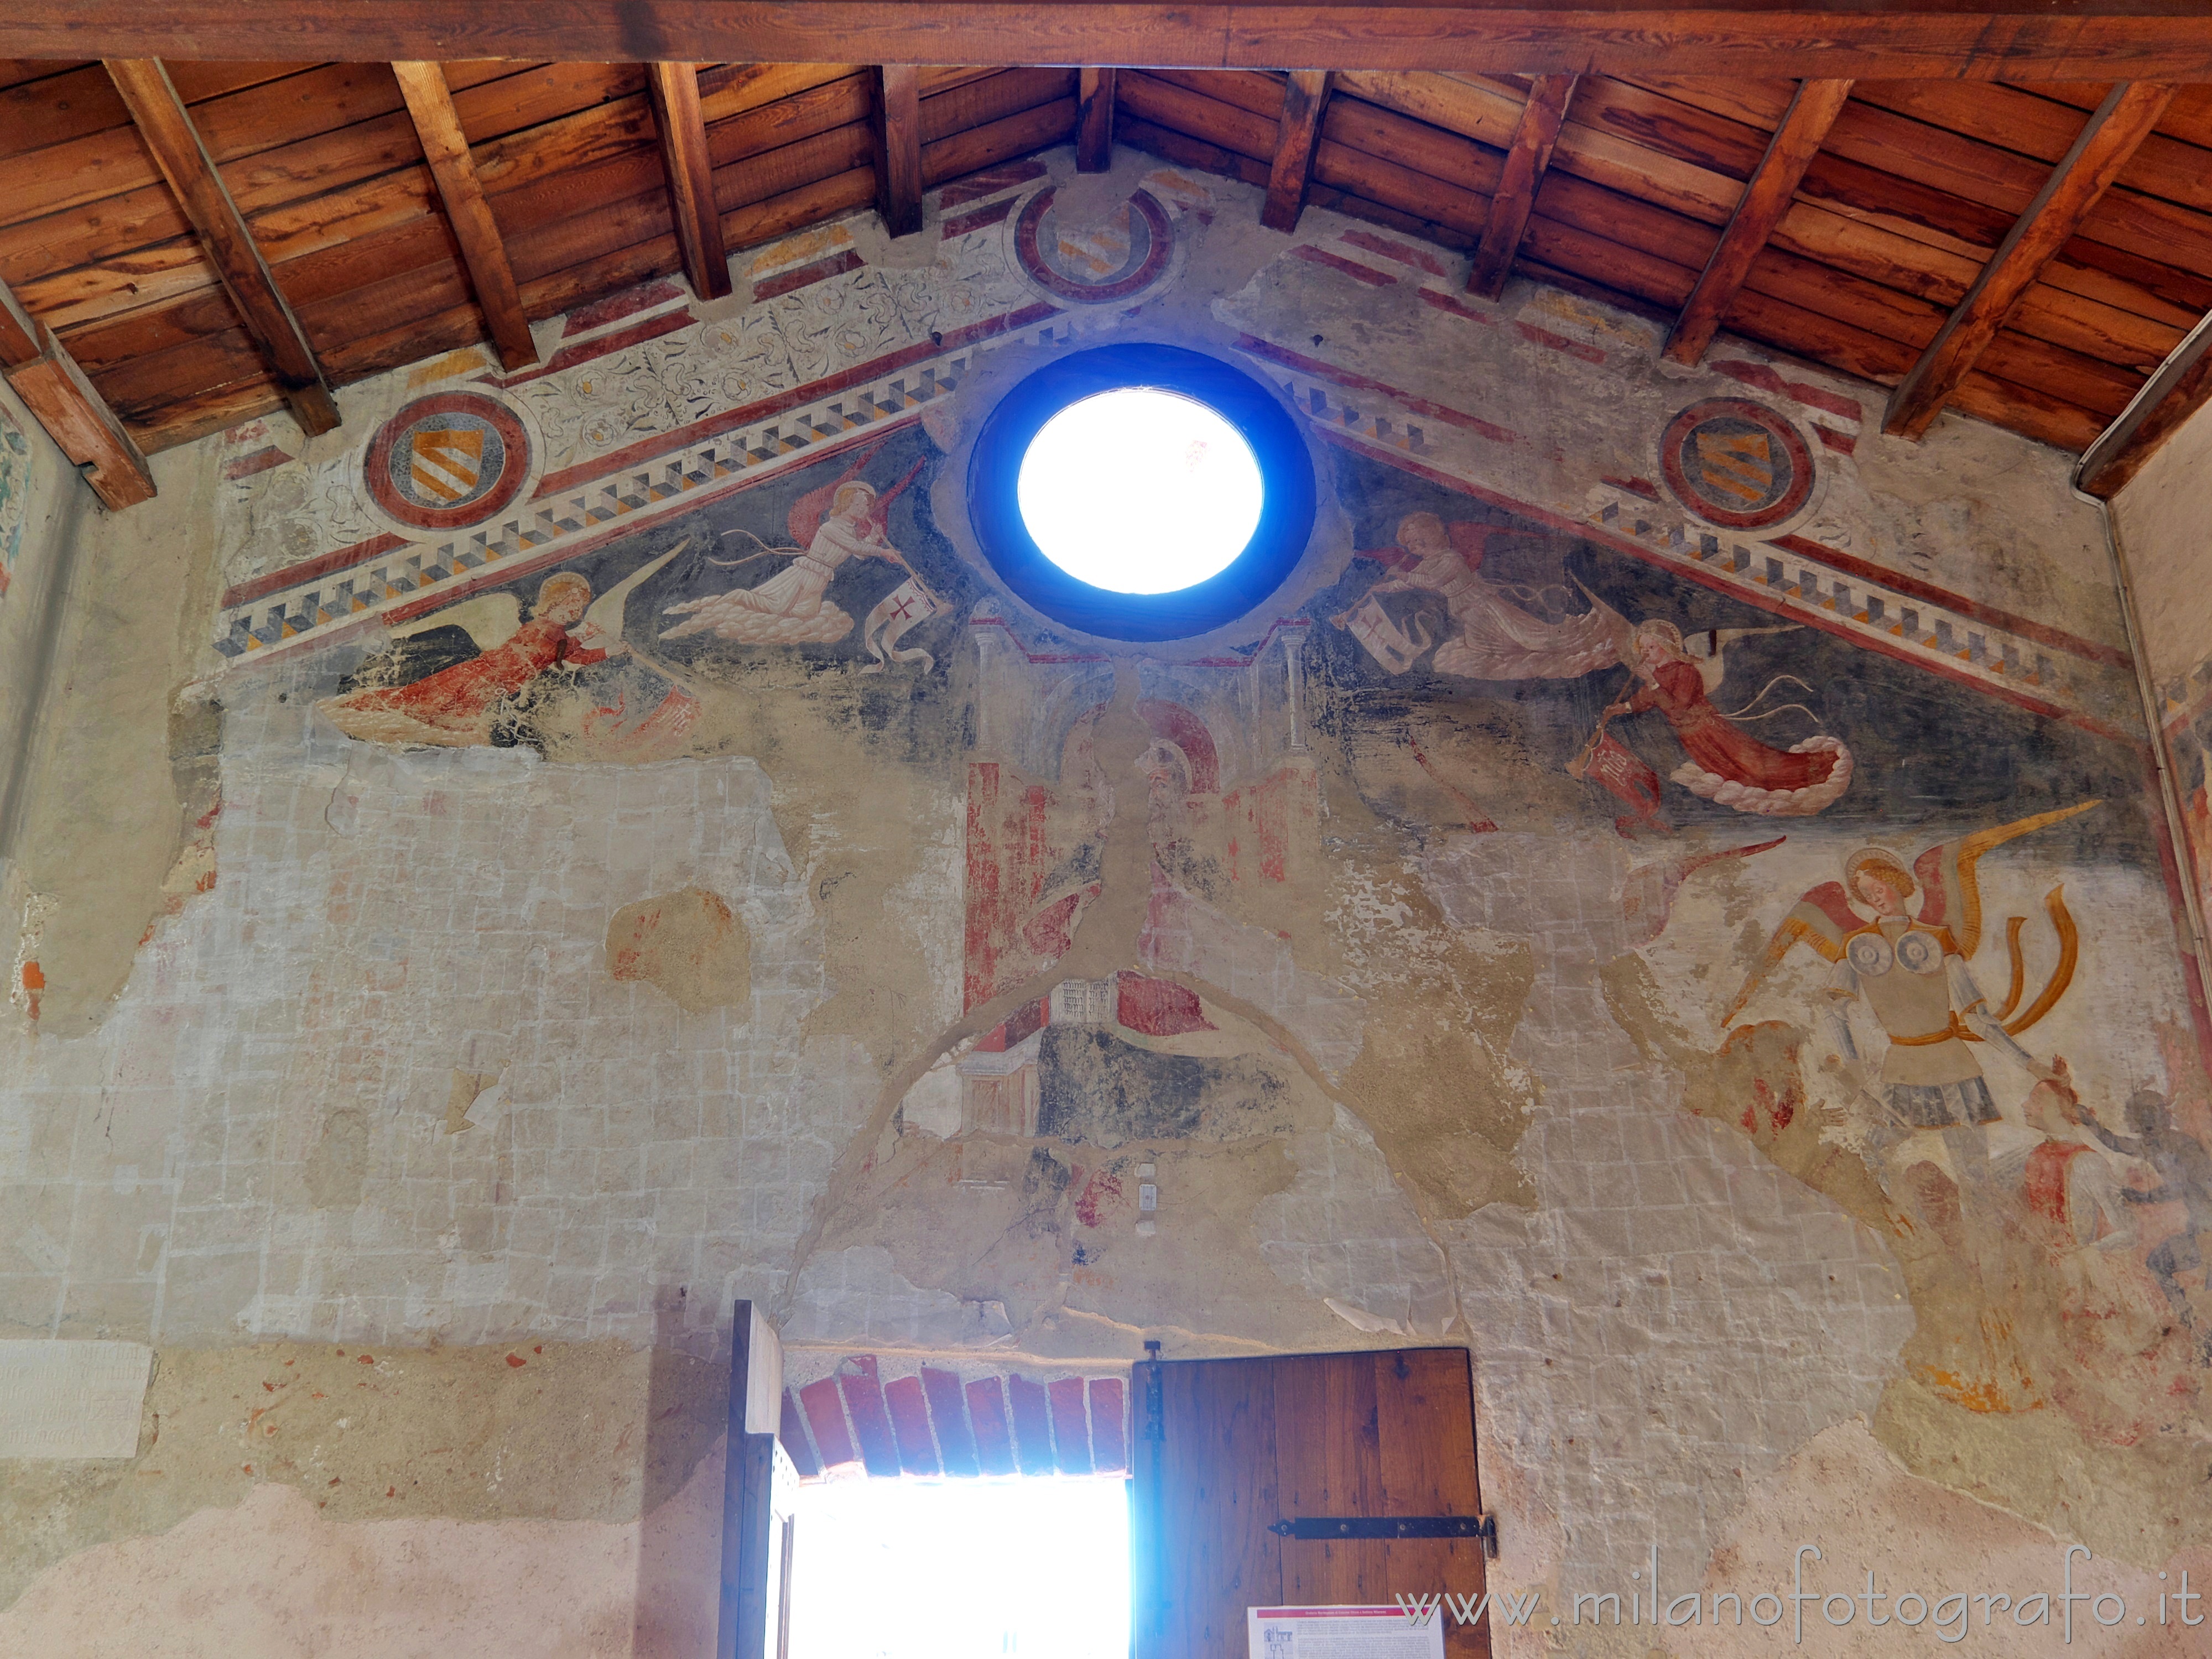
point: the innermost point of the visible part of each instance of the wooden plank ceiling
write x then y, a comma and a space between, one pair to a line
1856, 224
1940, 40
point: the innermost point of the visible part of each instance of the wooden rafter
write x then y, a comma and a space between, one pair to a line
898, 148
1766, 198
1305, 96
674, 89
160, 116
77, 417
2111, 135
2182, 385
1094, 120
483, 253
1946, 40
1526, 158
1917, 183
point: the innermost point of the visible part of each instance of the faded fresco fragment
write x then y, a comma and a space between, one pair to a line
15, 492
839, 520
1501, 630
2042, 1173
2053, 1252
1473, 672
605, 659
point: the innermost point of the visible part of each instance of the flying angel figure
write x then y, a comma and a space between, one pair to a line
1911, 971
841, 520
1725, 764
456, 704
1489, 634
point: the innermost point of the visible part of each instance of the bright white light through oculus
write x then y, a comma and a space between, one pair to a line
1139, 490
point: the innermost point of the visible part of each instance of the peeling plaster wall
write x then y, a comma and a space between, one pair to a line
2160, 520
477, 950
2160, 517
41, 504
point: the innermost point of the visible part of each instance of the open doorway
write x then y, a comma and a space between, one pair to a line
936, 1515
1025, 1567
952, 1511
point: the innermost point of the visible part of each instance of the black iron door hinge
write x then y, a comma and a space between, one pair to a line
1155, 1416
1325, 1528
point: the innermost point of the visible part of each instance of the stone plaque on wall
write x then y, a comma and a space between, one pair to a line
71, 1399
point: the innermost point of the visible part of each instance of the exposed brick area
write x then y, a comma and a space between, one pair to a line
929, 1423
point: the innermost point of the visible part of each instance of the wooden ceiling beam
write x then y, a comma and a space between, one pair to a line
674, 90
483, 252
1305, 96
1526, 159
2181, 386
163, 122
77, 417
1094, 120
1767, 197
2019, 40
2121, 123
898, 148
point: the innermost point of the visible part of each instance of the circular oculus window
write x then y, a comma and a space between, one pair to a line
1141, 492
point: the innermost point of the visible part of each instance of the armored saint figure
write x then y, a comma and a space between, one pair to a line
1915, 980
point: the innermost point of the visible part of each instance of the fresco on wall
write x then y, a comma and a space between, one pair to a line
604, 658
842, 520
1573, 649
1911, 1083
1477, 673
15, 493
1955, 1166
2188, 728
1497, 629
1678, 906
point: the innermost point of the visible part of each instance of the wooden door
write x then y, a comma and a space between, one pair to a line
1228, 1448
759, 1483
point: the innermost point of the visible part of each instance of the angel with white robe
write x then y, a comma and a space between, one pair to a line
841, 521
1494, 636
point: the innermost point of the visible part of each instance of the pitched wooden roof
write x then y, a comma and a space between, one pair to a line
210, 239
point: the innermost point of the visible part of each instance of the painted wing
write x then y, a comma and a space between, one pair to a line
490, 619
809, 510
1473, 541
1823, 919
1617, 633
1950, 897
1708, 648
607, 612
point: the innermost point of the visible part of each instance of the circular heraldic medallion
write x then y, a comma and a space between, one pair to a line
448, 461
1736, 464
1093, 264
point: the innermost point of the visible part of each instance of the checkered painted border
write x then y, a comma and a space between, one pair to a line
544, 530
1768, 574
1765, 571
